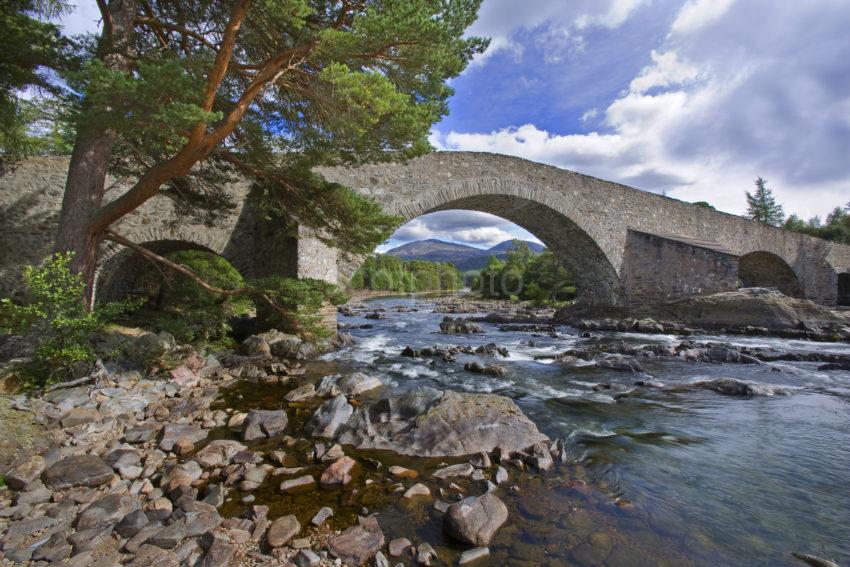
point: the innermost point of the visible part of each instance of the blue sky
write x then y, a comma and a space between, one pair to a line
691, 98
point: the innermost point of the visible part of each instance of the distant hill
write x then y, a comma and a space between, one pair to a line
464, 257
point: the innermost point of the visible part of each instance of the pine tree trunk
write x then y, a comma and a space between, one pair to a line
86, 181
84, 189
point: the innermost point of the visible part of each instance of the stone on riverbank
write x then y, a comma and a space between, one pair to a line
77, 470
263, 423
475, 519
282, 530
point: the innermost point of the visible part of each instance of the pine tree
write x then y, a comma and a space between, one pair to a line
762, 206
181, 96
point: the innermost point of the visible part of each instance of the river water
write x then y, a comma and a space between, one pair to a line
685, 478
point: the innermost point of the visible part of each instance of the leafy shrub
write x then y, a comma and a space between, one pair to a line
178, 305
299, 303
57, 317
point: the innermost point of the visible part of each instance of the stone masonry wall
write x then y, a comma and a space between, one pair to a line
584, 220
657, 269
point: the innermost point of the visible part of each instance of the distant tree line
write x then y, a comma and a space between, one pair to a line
524, 275
383, 272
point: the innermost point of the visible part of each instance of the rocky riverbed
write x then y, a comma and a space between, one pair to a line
442, 433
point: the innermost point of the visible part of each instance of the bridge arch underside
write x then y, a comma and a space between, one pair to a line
765, 269
118, 273
596, 279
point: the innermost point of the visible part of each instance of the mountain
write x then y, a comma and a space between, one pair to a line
464, 257
506, 245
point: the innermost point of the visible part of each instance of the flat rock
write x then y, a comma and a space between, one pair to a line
401, 472
79, 416
303, 392
358, 383
475, 519
298, 485
110, 509
263, 423
77, 470
182, 433
429, 423
25, 473
358, 544
322, 516
461, 470
282, 530
218, 453
474, 554
398, 546
417, 489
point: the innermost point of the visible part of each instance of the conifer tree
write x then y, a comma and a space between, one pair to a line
181, 96
762, 206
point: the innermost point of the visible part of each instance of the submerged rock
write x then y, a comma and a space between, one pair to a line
735, 387
452, 326
489, 369
475, 519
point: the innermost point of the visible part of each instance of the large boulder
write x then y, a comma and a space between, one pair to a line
329, 419
358, 383
430, 423
757, 307
475, 519
263, 423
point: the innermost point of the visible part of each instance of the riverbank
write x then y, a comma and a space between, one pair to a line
548, 437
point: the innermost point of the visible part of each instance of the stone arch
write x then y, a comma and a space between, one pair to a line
844, 289
765, 269
120, 267
597, 281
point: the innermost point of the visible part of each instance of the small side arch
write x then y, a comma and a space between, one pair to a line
844, 289
121, 267
765, 269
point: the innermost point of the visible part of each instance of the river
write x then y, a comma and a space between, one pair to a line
691, 477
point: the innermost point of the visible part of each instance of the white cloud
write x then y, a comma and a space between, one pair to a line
485, 235
699, 13
467, 227
561, 23
717, 106
666, 70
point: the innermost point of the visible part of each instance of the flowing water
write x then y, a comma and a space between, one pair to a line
673, 478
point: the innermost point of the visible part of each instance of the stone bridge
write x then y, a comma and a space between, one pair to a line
625, 248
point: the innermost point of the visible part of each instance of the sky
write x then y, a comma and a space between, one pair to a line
690, 98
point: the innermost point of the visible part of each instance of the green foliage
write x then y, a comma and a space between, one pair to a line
31, 47
298, 303
383, 272
56, 316
360, 82
704, 205
523, 275
762, 205
178, 305
836, 228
